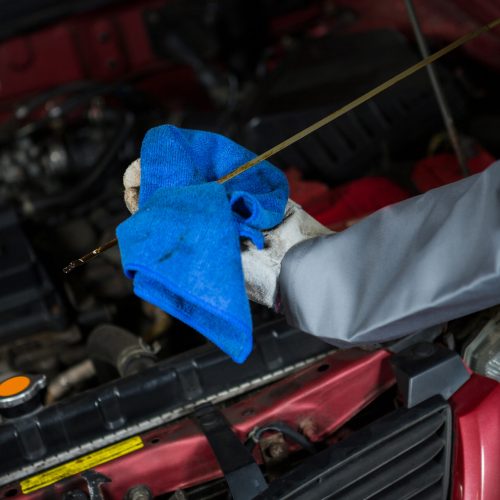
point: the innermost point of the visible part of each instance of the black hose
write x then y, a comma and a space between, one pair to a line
28, 106
119, 348
285, 429
71, 103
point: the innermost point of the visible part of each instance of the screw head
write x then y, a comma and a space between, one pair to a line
139, 492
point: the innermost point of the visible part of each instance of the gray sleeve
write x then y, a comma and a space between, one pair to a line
409, 266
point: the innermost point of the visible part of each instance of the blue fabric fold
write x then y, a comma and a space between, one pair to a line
182, 247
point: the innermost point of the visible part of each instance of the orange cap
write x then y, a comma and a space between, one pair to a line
14, 385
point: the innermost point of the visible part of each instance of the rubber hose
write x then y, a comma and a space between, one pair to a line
119, 348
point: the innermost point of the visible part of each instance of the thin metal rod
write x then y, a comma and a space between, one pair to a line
89, 256
444, 108
321, 123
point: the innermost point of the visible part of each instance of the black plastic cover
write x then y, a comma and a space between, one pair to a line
425, 370
326, 74
29, 302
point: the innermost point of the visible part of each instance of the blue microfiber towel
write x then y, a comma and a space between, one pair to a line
182, 247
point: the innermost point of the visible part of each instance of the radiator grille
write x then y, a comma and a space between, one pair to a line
404, 455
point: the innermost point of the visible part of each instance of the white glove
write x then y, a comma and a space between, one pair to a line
132, 183
260, 267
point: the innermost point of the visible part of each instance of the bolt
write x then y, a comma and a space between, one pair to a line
140, 492
424, 350
209, 420
277, 451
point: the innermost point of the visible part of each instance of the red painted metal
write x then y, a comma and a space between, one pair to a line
305, 192
104, 45
342, 206
441, 20
353, 201
316, 400
440, 169
27, 64
109, 44
477, 440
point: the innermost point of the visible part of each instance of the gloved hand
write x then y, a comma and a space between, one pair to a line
260, 267
132, 183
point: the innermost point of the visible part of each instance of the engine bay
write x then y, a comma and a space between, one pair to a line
109, 368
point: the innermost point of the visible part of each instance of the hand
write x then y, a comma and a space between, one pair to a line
132, 183
260, 267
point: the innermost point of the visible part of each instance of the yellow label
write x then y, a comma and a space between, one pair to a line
81, 464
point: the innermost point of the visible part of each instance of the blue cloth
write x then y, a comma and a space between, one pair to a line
182, 247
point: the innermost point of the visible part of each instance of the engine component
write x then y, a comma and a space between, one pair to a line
29, 302
21, 395
243, 476
61, 146
425, 370
95, 481
139, 492
328, 73
70, 378
177, 32
316, 400
282, 428
127, 353
162, 392
482, 354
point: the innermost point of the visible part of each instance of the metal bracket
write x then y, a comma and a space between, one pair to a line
94, 482
243, 475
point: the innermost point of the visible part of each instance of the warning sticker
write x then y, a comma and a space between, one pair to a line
81, 464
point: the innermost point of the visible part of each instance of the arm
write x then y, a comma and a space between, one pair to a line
415, 264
